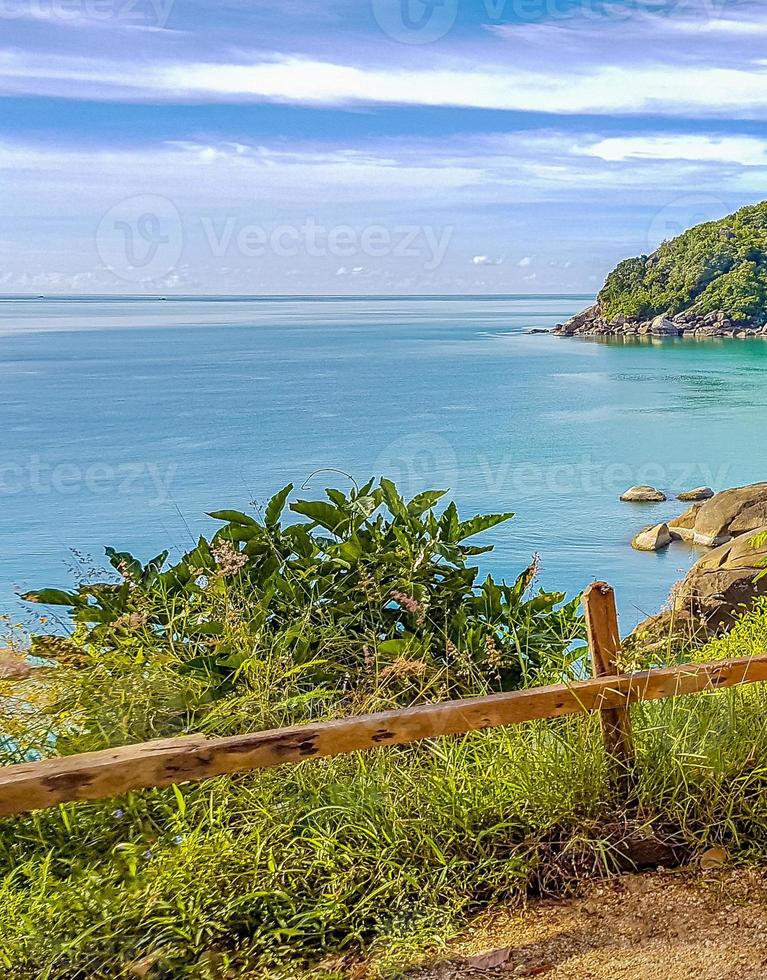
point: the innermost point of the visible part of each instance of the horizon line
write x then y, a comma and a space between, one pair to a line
161, 297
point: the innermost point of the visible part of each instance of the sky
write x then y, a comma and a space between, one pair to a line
368, 146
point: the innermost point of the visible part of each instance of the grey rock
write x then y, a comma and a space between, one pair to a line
652, 538
643, 494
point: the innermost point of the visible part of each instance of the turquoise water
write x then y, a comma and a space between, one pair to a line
124, 421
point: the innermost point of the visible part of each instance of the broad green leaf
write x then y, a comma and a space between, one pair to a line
394, 502
321, 513
394, 647
449, 523
51, 597
338, 498
233, 517
482, 522
424, 501
124, 563
276, 506
351, 550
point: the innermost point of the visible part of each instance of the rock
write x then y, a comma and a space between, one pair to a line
652, 538
724, 583
537, 330
726, 515
714, 857
716, 592
12, 666
576, 323
699, 493
643, 494
662, 325
683, 527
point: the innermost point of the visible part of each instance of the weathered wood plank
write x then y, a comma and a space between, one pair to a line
93, 775
604, 641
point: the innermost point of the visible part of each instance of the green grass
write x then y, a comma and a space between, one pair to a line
383, 854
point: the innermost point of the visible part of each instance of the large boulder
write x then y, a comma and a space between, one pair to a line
699, 493
577, 323
717, 590
643, 494
652, 538
662, 326
724, 583
724, 516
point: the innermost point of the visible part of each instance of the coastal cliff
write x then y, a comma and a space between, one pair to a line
710, 281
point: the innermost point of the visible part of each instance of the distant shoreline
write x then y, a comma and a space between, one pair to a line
287, 297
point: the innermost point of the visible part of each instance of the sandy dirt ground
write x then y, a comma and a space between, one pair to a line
660, 926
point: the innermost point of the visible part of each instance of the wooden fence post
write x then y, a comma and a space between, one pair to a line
604, 644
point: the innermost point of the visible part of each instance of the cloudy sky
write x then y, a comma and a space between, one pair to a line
368, 146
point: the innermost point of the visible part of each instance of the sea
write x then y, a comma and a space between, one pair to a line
125, 420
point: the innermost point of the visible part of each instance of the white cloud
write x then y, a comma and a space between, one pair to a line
667, 88
486, 260
524, 262
747, 151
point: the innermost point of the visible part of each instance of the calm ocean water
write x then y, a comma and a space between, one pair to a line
124, 421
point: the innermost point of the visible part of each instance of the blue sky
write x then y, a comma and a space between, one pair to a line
368, 146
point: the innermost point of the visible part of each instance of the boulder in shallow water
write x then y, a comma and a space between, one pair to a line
643, 494
652, 538
717, 591
699, 493
724, 516
662, 326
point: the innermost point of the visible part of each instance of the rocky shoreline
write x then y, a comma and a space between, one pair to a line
591, 323
724, 583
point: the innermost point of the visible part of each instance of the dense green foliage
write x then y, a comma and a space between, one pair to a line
716, 267
273, 874
300, 872
368, 585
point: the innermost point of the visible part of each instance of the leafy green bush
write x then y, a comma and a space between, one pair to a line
715, 267
368, 587
381, 854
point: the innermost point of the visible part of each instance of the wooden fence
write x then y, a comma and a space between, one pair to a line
93, 775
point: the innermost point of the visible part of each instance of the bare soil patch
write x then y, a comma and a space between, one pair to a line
660, 926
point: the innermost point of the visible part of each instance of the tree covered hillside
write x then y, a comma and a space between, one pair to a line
718, 266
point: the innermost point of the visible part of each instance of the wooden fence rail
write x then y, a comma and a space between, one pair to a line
93, 775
